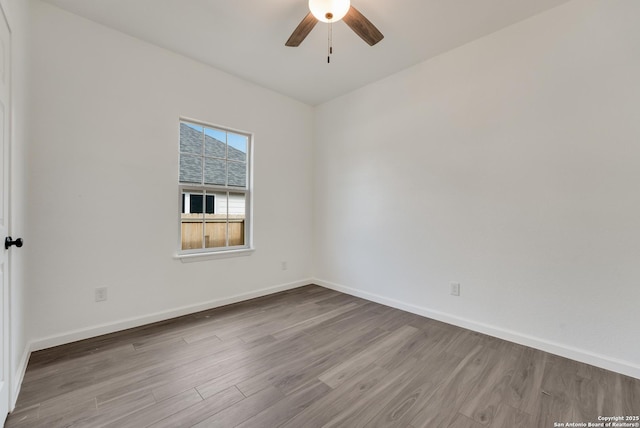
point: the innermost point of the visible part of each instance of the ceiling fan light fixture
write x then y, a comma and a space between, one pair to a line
329, 10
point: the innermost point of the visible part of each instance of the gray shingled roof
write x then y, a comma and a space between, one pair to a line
215, 163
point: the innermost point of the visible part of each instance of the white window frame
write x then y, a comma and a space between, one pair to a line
226, 251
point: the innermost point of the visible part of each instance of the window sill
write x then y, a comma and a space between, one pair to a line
200, 257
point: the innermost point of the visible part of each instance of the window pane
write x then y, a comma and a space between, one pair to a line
191, 234
191, 222
216, 222
237, 174
237, 218
190, 169
237, 147
215, 171
215, 143
191, 137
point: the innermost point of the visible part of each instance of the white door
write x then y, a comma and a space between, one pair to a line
5, 120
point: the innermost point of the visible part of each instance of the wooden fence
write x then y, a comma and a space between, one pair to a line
214, 233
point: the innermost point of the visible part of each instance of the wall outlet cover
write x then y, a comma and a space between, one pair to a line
455, 288
101, 294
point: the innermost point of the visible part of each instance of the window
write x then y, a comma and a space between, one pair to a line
214, 188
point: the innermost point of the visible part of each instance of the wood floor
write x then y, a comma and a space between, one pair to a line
311, 357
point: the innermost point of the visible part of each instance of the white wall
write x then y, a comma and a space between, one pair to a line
103, 171
510, 165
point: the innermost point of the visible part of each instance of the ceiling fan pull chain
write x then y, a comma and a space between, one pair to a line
330, 42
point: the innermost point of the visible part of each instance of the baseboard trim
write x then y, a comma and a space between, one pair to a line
97, 330
619, 366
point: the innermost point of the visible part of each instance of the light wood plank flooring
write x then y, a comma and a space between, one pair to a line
311, 357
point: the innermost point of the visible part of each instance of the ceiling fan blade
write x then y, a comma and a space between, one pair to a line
362, 26
302, 30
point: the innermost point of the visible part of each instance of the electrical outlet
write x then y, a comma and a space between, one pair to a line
284, 265
455, 288
101, 294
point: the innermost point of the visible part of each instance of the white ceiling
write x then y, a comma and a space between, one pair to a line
246, 37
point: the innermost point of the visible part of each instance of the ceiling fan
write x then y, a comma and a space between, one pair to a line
331, 11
